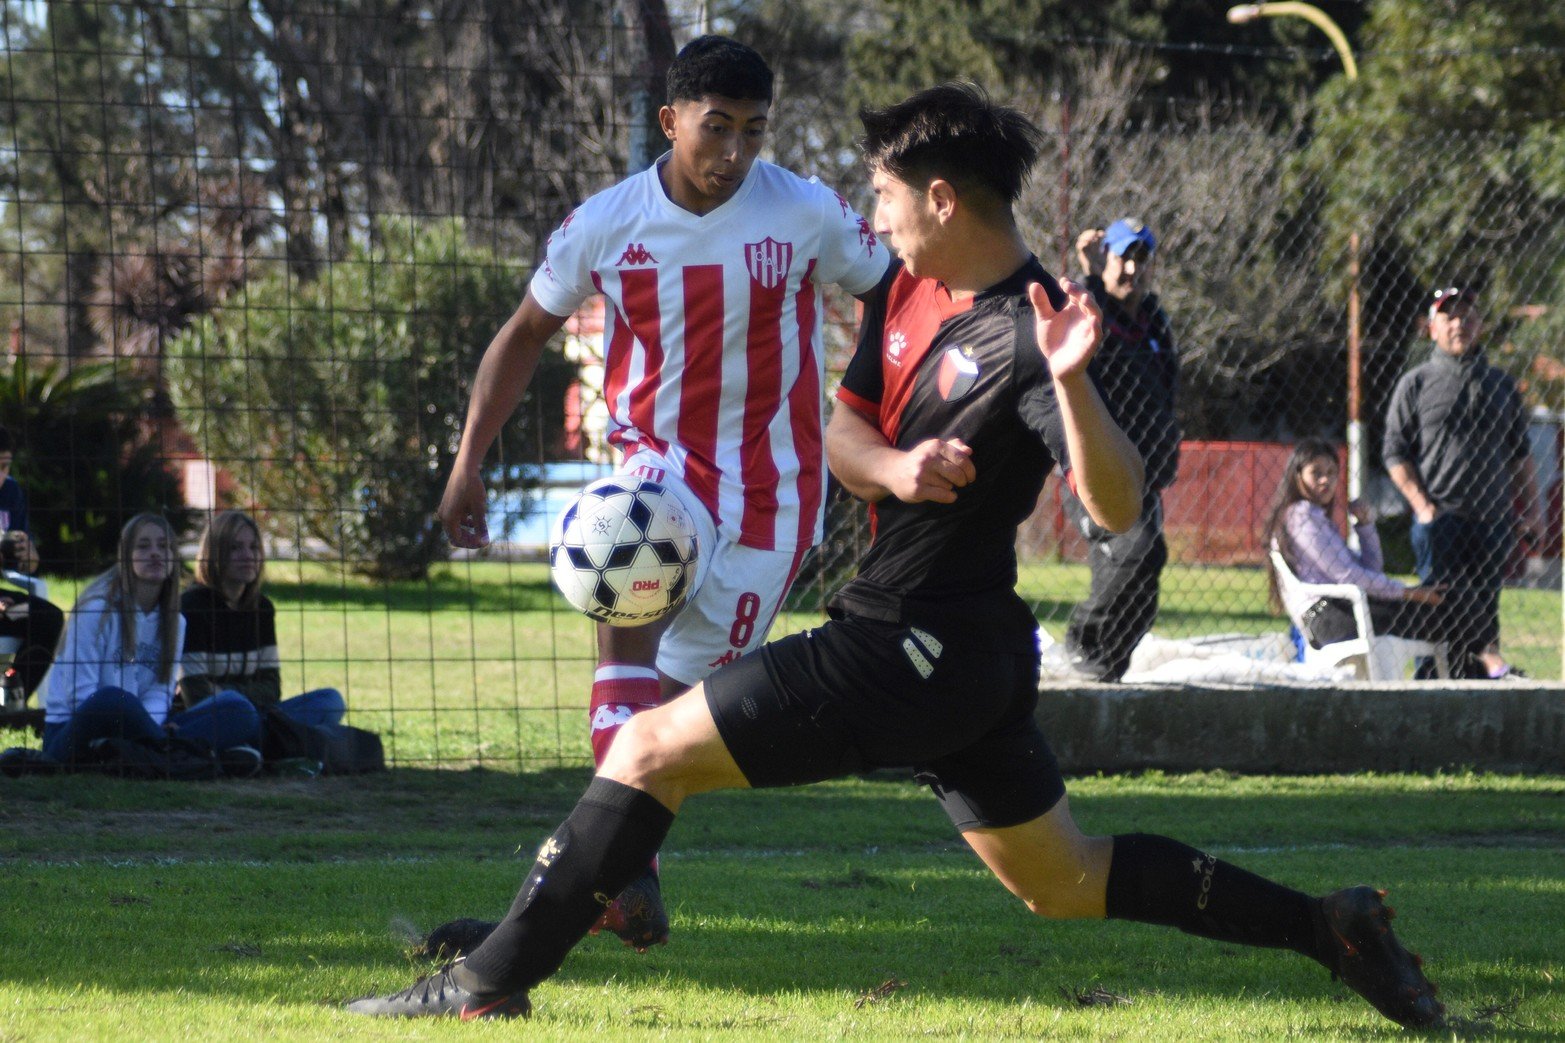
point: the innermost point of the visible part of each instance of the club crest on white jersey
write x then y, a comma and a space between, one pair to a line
768, 261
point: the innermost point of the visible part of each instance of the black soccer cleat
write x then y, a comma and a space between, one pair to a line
438, 994
637, 915
1372, 962
455, 938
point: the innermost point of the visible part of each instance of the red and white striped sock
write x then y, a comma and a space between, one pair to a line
619, 692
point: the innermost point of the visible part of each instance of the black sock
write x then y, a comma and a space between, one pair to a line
604, 844
1153, 879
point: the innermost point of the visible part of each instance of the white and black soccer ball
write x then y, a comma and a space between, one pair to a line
624, 551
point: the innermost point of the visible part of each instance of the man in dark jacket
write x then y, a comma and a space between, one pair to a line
1137, 370
1456, 448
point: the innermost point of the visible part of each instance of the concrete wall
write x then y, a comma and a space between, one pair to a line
1307, 730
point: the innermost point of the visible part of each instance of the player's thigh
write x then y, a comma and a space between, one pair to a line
673, 751
729, 613
1048, 863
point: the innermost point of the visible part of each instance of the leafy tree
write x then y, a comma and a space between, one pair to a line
1446, 157
85, 458
93, 162
337, 403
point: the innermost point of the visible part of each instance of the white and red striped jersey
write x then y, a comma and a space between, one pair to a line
712, 339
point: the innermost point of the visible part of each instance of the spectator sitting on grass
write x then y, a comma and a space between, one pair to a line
231, 629
24, 614
114, 675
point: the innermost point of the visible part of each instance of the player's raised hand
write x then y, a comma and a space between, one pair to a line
1070, 336
932, 471
463, 510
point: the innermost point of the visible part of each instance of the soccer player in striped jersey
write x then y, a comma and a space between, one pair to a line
712, 264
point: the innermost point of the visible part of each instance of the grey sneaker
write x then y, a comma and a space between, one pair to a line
438, 994
240, 762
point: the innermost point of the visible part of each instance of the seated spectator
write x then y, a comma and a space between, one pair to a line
1300, 526
24, 613
231, 628
114, 675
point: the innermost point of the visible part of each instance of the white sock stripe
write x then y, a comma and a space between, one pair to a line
624, 672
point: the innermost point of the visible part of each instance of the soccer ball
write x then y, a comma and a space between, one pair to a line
624, 551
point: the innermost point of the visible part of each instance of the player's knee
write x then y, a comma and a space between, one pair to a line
644, 753
1058, 904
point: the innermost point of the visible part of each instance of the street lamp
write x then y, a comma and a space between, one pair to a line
1240, 15
1310, 13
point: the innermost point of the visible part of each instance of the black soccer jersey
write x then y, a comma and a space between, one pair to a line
926, 367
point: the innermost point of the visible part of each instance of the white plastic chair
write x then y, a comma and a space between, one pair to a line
1375, 657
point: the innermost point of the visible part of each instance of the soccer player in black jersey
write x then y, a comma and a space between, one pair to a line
969, 384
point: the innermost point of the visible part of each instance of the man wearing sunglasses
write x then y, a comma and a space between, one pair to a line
1456, 448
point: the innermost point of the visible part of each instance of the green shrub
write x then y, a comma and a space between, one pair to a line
85, 458
337, 404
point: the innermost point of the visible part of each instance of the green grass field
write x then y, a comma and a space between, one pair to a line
250, 910
484, 664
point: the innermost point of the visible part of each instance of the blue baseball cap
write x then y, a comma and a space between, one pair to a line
1125, 233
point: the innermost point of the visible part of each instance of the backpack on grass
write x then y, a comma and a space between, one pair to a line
340, 749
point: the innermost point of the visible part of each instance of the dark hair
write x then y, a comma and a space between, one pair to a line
6, 444
721, 66
955, 133
1289, 493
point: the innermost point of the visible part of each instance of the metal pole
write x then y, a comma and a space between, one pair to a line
1065, 184
1065, 254
1356, 460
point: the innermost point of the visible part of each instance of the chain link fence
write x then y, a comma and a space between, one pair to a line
251, 256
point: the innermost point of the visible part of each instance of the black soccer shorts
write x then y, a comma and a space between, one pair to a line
857, 694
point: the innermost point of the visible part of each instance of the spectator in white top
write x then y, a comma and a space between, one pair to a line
114, 675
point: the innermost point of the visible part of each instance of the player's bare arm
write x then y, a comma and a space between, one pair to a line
871, 468
1107, 467
504, 373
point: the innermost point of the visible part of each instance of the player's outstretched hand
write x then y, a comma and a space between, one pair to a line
933, 471
463, 511
1069, 337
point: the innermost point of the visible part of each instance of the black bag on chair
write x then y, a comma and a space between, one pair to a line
340, 749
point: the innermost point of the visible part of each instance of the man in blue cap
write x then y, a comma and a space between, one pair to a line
1138, 371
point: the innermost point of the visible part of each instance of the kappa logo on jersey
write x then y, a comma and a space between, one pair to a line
958, 373
842, 203
866, 236
895, 346
635, 253
768, 261
724, 659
